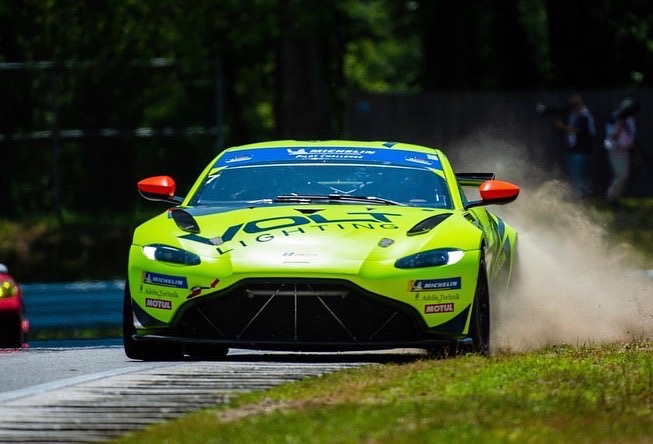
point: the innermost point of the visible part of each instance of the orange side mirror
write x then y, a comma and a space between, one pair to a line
498, 192
157, 188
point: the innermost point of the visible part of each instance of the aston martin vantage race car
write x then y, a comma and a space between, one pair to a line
319, 246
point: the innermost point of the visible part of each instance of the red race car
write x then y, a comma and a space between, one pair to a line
13, 324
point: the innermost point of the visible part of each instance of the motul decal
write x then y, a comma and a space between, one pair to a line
438, 308
158, 303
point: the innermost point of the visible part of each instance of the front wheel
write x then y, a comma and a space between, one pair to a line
479, 328
141, 350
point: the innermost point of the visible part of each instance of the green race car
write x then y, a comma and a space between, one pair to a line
319, 246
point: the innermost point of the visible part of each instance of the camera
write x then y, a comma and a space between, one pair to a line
628, 107
551, 110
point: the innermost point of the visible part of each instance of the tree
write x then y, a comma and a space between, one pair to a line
480, 44
266, 68
308, 67
599, 44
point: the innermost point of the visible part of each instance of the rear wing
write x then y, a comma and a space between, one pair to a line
473, 179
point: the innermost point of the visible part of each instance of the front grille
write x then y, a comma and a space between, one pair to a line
299, 312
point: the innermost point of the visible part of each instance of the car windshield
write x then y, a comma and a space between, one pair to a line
331, 182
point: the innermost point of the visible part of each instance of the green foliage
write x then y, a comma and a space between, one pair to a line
248, 71
91, 247
380, 55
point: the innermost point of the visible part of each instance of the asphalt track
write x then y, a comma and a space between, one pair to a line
93, 393
82, 391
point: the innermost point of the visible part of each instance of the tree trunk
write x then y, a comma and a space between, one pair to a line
303, 100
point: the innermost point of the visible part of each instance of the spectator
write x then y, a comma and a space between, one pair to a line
580, 131
620, 132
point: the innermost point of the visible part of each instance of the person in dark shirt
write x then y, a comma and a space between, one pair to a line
580, 131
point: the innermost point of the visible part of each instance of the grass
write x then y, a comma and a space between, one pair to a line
582, 394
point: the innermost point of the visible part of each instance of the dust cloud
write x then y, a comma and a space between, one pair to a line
575, 284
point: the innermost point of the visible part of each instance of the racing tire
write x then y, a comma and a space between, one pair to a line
144, 350
479, 326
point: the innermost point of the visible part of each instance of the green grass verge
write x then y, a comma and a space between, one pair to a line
562, 394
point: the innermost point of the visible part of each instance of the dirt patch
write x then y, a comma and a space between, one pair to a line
263, 407
577, 284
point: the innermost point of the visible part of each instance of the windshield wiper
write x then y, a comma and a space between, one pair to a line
307, 198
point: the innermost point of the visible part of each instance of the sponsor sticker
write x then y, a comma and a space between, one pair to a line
280, 227
158, 303
196, 291
238, 159
159, 292
164, 280
437, 297
438, 308
436, 284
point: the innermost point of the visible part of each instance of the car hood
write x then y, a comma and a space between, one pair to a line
320, 237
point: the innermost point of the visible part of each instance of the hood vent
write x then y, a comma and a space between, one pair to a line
428, 224
185, 220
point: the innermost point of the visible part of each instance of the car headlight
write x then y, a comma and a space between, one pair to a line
432, 258
8, 289
166, 253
